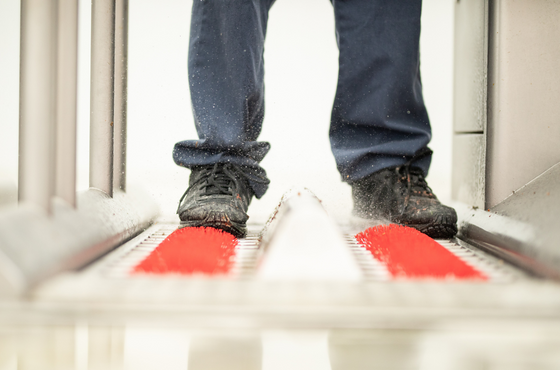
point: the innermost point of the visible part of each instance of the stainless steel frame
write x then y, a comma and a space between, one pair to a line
66, 104
37, 102
506, 152
102, 98
53, 229
523, 94
469, 102
121, 78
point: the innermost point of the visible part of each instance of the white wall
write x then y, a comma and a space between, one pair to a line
9, 91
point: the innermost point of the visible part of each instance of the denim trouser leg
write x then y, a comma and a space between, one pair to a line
226, 72
379, 119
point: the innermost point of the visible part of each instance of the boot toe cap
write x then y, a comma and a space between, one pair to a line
220, 214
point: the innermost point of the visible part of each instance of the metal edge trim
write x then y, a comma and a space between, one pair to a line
136, 212
504, 247
503, 237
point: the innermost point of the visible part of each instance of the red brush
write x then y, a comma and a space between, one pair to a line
191, 250
407, 253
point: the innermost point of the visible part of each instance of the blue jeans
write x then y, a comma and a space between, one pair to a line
378, 119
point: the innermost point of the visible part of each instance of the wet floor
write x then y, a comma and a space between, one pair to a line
469, 345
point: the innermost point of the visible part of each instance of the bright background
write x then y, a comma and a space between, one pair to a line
301, 70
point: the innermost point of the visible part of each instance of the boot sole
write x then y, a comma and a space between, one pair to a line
443, 227
436, 231
440, 228
236, 229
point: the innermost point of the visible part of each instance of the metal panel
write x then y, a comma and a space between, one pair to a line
471, 52
537, 204
469, 169
524, 91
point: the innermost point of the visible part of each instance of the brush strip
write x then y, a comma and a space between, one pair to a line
407, 253
191, 250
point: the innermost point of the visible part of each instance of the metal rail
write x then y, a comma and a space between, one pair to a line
66, 101
37, 102
48, 104
120, 108
102, 102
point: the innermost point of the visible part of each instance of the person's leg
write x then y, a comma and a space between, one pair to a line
379, 119
380, 128
227, 92
227, 89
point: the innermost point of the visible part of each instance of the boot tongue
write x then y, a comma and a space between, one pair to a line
418, 183
219, 183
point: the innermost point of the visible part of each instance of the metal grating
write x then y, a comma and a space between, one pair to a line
371, 268
120, 263
495, 269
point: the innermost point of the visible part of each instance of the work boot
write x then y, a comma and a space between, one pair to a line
401, 195
218, 196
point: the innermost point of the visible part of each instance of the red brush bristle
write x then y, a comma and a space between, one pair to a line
191, 250
408, 253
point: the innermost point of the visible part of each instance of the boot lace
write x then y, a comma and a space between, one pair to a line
414, 178
222, 179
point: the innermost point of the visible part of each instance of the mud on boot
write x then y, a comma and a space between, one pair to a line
218, 196
403, 196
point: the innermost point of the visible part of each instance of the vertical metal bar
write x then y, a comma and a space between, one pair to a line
67, 74
121, 74
102, 87
37, 102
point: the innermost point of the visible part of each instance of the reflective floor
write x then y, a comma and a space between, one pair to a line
465, 345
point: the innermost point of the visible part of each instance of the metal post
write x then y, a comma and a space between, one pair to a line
102, 84
67, 65
37, 101
121, 72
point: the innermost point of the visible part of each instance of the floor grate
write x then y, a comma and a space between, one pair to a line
120, 263
494, 269
134, 252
